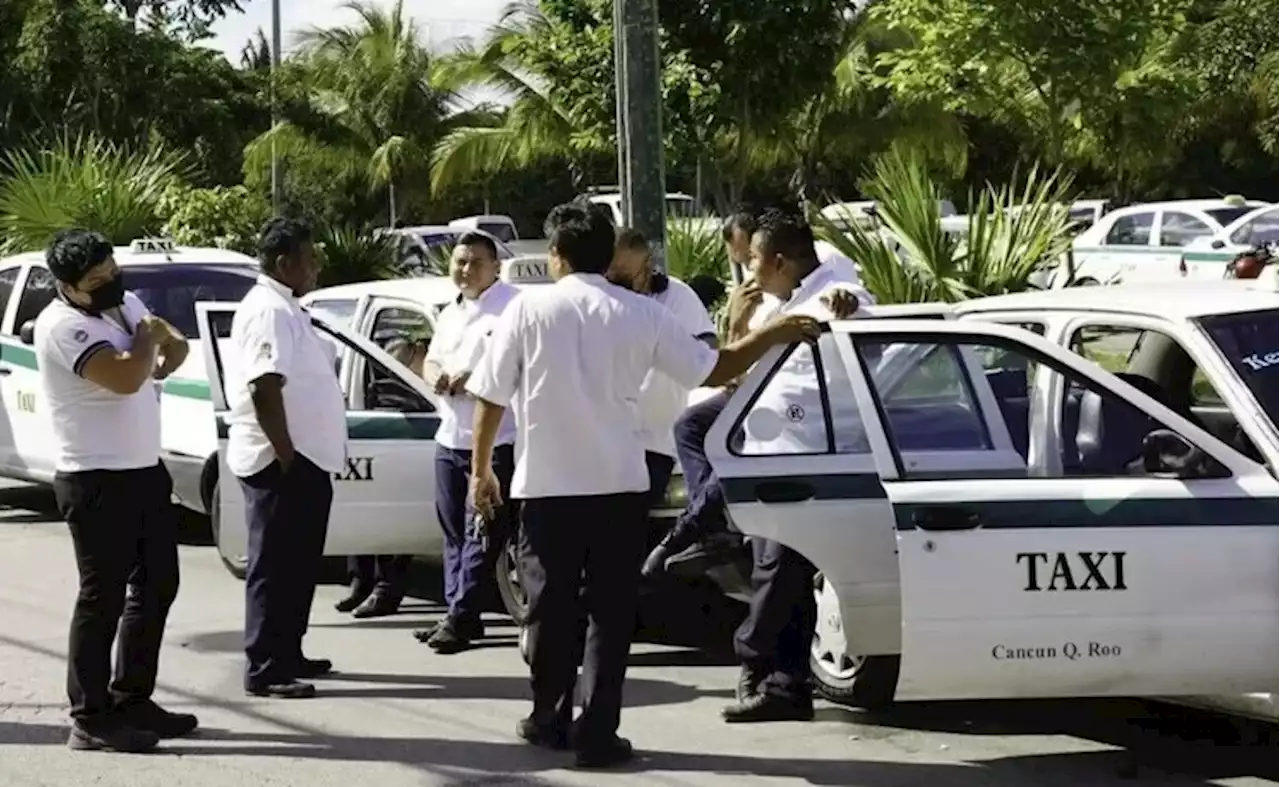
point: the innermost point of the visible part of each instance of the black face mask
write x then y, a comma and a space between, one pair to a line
108, 295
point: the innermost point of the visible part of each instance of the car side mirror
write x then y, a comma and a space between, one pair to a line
27, 333
1169, 454
1218, 244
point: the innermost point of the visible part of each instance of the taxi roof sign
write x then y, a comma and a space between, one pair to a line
529, 269
152, 245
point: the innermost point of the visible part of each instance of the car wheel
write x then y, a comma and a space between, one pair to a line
238, 565
524, 645
857, 681
510, 588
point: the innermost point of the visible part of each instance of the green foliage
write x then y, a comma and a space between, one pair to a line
695, 248
223, 217
1011, 233
351, 254
84, 182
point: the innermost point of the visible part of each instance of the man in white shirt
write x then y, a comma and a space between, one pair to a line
98, 350
569, 361
461, 337
286, 439
662, 399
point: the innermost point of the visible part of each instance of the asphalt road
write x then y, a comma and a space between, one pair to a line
401, 715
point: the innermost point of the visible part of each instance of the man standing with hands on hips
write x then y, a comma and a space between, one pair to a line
99, 349
462, 334
287, 437
569, 360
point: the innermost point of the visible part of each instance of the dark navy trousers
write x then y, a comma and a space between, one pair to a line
705, 511
468, 567
288, 518
775, 638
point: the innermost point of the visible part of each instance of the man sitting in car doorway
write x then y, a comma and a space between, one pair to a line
793, 279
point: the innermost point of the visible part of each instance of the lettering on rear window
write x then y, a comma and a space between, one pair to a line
1054, 571
1257, 362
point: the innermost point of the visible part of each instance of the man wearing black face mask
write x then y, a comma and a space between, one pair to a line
98, 350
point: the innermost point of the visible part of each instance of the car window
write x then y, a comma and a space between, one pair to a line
383, 389
404, 333
927, 398
806, 407
1248, 342
1179, 229
8, 280
502, 231
1102, 433
1261, 229
171, 292
1131, 230
1110, 347
1225, 216
337, 311
37, 292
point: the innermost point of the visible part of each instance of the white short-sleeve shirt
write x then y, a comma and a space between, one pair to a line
569, 360
662, 399
92, 427
461, 337
272, 334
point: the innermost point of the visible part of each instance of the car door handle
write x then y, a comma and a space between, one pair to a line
5, 371
946, 518
784, 492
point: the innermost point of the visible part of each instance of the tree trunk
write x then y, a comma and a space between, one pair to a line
391, 204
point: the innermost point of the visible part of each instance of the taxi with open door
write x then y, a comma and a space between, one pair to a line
994, 516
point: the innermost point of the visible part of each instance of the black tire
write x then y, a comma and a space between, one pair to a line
510, 588
237, 565
867, 682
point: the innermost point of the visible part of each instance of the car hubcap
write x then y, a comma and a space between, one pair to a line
830, 651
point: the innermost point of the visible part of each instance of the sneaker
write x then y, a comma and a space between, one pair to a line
748, 685
148, 716
112, 735
546, 736
377, 605
291, 690
314, 668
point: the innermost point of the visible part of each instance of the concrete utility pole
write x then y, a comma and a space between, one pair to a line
277, 175
641, 170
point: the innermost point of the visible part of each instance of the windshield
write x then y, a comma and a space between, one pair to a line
1248, 341
681, 208
1227, 215
172, 291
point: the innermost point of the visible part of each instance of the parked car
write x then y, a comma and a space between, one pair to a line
1206, 257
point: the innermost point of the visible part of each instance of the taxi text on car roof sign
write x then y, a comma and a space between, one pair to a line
526, 270
151, 246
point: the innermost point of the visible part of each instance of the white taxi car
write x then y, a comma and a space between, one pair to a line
995, 515
170, 280
1143, 243
1206, 257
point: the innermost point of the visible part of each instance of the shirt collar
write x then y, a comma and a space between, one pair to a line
279, 288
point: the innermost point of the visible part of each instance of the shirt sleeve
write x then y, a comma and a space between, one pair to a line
267, 345
680, 355
70, 342
497, 376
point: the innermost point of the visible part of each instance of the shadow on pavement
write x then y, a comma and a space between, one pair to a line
1076, 769
27, 503
640, 692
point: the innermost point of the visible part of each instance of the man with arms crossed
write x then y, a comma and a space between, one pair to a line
287, 437
99, 349
569, 360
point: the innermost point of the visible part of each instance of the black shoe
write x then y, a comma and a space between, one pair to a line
354, 599
148, 716
455, 637
715, 550
378, 605
546, 736
292, 690
769, 707
314, 668
425, 635
110, 735
613, 752
748, 685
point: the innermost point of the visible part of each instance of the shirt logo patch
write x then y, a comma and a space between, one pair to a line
795, 413
264, 351
81, 335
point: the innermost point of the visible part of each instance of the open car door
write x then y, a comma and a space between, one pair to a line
1121, 550
382, 499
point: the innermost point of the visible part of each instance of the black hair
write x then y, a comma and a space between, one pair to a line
708, 288
741, 219
74, 252
787, 233
281, 237
473, 238
584, 238
632, 239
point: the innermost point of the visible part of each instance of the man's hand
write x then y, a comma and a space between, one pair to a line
458, 385
841, 303
147, 336
486, 494
792, 328
743, 301
442, 384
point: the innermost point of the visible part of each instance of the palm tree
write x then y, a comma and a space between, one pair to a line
255, 55
373, 94
536, 127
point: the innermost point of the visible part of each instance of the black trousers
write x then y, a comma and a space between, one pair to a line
124, 530
383, 573
580, 559
775, 639
660, 468
288, 517
468, 566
